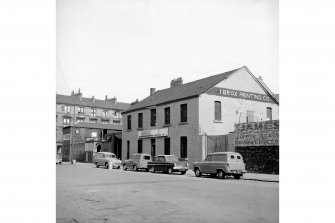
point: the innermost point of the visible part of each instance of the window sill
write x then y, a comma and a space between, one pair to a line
217, 121
139, 128
166, 125
183, 123
128, 130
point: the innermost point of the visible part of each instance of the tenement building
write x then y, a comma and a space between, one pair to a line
73, 109
185, 119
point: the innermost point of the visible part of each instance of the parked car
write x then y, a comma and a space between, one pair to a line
221, 164
137, 161
168, 164
106, 159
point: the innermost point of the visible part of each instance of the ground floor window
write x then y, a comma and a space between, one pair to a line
167, 146
183, 147
139, 146
128, 149
153, 147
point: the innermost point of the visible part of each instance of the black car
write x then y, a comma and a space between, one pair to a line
168, 164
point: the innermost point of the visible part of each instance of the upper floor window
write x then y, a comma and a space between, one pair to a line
140, 120
105, 121
183, 113
167, 116
129, 122
217, 112
93, 120
80, 110
66, 121
80, 119
105, 113
153, 117
94, 112
66, 108
116, 122
269, 113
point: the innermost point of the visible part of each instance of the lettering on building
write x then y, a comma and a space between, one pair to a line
153, 133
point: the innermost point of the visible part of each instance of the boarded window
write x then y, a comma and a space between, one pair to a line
167, 146
139, 146
128, 149
217, 111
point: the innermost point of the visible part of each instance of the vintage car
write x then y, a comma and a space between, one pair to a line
106, 159
168, 164
137, 161
221, 164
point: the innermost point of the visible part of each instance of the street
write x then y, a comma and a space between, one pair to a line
89, 194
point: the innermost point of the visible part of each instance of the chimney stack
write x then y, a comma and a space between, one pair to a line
113, 100
106, 98
93, 98
176, 82
152, 90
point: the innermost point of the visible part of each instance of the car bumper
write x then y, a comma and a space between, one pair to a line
180, 168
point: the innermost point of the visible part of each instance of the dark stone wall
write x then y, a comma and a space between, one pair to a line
260, 159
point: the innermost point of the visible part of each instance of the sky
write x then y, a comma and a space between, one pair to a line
124, 48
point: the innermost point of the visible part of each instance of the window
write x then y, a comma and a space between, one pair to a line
77, 131
94, 134
105, 113
80, 110
80, 119
232, 157
93, 120
167, 146
129, 122
153, 147
105, 121
238, 157
209, 158
128, 149
140, 120
222, 157
183, 147
153, 117
250, 116
66, 108
217, 113
139, 146
66, 121
93, 112
146, 157
167, 116
269, 113
183, 113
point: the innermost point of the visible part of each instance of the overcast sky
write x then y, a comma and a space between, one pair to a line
123, 48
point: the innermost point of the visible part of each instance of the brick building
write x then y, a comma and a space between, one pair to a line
180, 120
74, 108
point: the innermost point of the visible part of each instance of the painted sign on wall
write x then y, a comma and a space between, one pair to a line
224, 92
153, 133
257, 133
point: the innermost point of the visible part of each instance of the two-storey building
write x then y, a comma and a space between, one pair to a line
72, 109
179, 119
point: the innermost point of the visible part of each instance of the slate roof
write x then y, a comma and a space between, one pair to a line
91, 125
66, 99
187, 90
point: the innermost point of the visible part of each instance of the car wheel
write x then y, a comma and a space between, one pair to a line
169, 170
183, 172
118, 167
221, 174
60, 163
96, 165
237, 177
107, 165
152, 169
197, 172
124, 167
135, 168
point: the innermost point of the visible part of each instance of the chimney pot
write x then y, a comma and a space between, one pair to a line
176, 82
152, 90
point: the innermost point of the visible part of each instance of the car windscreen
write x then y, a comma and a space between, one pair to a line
110, 156
171, 159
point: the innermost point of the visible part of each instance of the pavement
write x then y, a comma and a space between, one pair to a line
87, 194
246, 176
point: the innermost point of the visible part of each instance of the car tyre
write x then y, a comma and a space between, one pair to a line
221, 174
118, 167
135, 168
182, 172
152, 170
60, 163
169, 170
107, 165
197, 172
96, 165
124, 167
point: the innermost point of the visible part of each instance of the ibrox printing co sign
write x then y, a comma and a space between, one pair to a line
153, 133
224, 92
